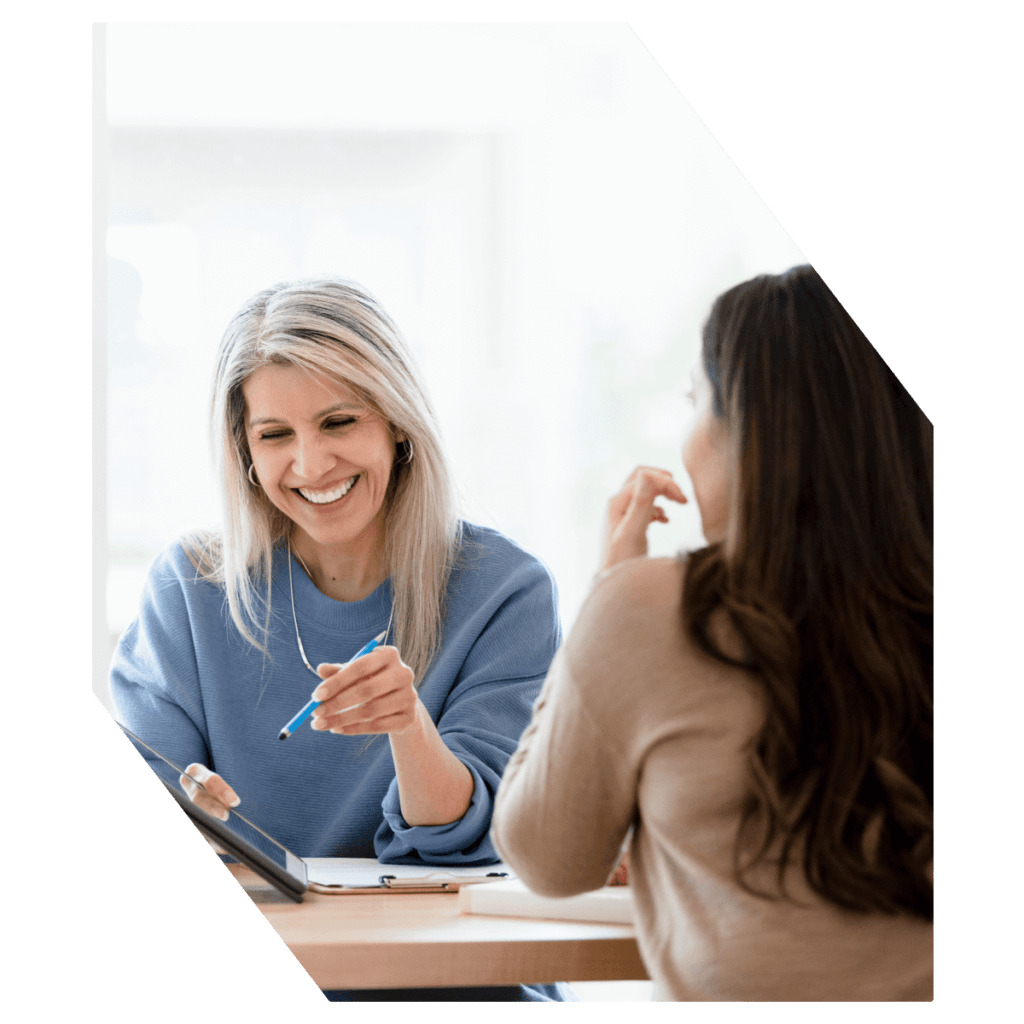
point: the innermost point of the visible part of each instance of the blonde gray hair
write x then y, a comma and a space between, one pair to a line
334, 329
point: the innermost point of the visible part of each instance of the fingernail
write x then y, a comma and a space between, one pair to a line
234, 801
317, 694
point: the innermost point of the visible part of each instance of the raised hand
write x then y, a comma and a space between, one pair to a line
633, 509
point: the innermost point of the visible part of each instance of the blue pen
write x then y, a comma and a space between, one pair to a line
313, 704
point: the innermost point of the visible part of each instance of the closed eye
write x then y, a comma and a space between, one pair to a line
338, 423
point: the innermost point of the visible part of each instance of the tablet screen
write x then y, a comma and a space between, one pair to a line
239, 837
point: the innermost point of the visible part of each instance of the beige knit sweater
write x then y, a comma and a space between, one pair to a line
637, 726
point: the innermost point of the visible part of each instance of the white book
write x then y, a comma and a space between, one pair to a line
612, 905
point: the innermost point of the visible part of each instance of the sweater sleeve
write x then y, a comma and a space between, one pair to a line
509, 640
154, 679
568, 797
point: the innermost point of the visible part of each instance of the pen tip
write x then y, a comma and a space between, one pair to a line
284, 735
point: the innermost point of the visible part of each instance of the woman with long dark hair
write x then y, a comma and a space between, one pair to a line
760, 711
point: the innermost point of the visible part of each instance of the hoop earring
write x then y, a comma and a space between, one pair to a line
255, 483
407, 457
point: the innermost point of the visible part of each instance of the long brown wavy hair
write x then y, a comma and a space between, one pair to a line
826, 572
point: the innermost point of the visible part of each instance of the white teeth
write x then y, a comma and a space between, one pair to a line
326, 497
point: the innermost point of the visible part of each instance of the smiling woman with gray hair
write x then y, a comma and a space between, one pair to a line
340, 525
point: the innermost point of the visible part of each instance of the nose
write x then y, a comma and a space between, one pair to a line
311, 460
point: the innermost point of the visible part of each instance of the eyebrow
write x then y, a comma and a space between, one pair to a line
316, 416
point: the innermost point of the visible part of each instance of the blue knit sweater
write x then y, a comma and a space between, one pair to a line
186, 682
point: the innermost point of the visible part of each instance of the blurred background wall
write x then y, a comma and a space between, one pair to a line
537, 207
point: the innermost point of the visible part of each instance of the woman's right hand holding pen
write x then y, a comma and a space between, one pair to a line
633, 509
376, 694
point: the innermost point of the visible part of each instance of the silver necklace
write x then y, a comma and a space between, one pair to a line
295, 619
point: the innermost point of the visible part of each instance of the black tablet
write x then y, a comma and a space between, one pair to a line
238, 836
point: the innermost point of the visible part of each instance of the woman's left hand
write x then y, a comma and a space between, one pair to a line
620, 876
373, 694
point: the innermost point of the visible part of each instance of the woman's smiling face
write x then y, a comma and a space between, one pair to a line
322, 457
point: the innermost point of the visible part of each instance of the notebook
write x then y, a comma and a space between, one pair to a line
612, 905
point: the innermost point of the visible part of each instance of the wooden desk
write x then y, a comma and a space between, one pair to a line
413, 940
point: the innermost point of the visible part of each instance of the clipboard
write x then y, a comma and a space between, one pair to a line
340, 875
290, 874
